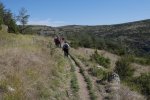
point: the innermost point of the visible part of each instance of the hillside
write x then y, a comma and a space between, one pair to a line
99, 74
32, 69
124, 46
74, 62
133, 37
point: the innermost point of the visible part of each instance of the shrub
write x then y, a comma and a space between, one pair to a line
1, 22
12, 27
143, 82
74, 44
94, 71
124, 69
100, 59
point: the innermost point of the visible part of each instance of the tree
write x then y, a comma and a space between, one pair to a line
23, 18
1, 10
7, 17
9, 20
1, 13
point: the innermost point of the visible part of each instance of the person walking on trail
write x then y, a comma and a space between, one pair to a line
62, 41
66, 49
57, 41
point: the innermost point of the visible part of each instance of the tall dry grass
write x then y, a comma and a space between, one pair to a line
29, 72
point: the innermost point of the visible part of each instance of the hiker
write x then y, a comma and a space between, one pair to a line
66, 49
62, 41
57, 41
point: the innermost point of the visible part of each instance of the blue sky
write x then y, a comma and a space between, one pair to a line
81, 12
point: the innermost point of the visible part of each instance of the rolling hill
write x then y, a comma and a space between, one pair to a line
32, 67
132, 37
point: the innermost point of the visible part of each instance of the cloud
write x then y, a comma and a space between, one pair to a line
48, 22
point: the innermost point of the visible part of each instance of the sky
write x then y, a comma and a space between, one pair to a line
81, 12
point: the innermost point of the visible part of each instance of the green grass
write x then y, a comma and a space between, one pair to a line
74, 81
142, 61
43, 92
138, 60
13, 81
90, 88
74, 84
139, 84
143, 82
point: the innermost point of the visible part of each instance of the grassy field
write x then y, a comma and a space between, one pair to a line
31, 68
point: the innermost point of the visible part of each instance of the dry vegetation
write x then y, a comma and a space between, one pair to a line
84, 55
31, 69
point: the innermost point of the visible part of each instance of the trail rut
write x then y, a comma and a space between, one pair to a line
83, 91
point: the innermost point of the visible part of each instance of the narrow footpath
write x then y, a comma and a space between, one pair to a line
83, 91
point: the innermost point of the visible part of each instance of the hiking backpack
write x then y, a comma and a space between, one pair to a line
65, 46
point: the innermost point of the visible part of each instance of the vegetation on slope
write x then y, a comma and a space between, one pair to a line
28, 71
74, 81
105, 62
126, 71
121, 39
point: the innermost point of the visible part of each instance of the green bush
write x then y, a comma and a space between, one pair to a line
143, 82
124, 69
74, 44
94, 71
1, 22
0, 27
100, 59
12, 27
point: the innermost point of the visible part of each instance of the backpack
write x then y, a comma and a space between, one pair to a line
65, 46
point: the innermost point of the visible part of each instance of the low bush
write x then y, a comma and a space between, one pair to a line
74, 44
124, 69
99, 73
143, 82
100, 59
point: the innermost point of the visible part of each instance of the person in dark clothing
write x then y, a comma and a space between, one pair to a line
66, 49
57, 41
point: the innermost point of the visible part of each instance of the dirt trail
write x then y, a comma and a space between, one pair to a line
83, 91
98, 96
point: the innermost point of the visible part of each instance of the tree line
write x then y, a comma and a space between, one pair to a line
9, 19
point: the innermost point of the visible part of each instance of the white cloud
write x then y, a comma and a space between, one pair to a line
48, 22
